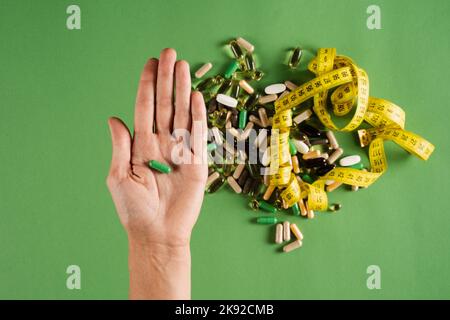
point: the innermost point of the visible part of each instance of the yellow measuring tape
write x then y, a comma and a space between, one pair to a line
351, 85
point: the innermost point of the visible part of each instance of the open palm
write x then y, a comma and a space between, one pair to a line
161, 207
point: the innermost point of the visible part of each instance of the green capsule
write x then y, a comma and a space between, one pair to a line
292, 148
307, 178
242, 119
249, 62
211, 147
236, 49
266, 220
296, 209
358, 166
232, 67
216, 185
295, 58
159, 166
267, 207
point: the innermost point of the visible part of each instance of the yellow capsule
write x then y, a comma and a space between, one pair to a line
295, 164
268, 193
333, 186
292, 246
311, 155
303, 210
296, 231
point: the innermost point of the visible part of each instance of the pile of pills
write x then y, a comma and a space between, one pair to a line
277, 146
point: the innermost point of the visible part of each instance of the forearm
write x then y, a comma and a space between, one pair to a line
159, 271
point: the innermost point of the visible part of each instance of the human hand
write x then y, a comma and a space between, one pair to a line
156, 208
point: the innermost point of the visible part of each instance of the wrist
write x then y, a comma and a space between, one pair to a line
159, 270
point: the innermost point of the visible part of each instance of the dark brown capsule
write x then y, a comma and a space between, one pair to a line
310, 131
252, 101
216, 185
247, 186
314, 163
243, 178
315, 142
325, 169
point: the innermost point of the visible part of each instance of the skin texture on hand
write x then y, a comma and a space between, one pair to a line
158, 210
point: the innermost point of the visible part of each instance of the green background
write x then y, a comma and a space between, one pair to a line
58, 87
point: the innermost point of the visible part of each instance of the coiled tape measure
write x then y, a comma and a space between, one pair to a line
352, 89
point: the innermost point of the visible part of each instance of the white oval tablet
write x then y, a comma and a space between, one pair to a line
350, 161
275, 88
227, 100
300, 146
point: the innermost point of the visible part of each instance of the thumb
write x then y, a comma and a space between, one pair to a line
121, 147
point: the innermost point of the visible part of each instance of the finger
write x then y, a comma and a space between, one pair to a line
145, 100
164, 91
199, 126
182, 117
121, 148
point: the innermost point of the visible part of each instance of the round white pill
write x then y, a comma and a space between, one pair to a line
275, 88
350, 161
300, 146
227, 100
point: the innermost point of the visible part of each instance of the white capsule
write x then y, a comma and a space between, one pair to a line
218, 135
335, 155
290, 85
286, 231
275, 88
261, 138
332, 139
350, 161
234, 185
227, 100
279, 233
329, 182
245, 44
303, 116
300, 146
237, 172
265, 159
293, 245
203, 70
